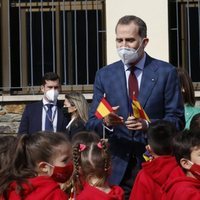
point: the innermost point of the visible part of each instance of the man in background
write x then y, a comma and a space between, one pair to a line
47, 114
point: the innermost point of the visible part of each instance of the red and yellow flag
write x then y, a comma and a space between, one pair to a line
103, 109
137, 110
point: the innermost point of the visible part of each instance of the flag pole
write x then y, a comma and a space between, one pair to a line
104, 132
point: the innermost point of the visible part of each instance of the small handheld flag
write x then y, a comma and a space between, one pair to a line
147, 156
103, 109
136, 109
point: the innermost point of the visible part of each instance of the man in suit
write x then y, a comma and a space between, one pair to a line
36, 116
158, 92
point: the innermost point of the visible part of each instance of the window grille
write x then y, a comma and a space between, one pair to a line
66, 37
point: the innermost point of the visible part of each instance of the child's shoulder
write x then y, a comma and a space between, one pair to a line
95, 193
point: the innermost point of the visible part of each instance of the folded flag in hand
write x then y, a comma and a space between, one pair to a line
147, 156
136, 109
103, 109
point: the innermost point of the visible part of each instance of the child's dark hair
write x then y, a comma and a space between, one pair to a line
6, 142
184, 143
28, 151
195, 122
160, 135
91, 158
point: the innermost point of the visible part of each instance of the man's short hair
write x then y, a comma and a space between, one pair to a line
127, 19
50, 76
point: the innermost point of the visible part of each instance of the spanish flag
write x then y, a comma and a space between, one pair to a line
136, 109
103, 109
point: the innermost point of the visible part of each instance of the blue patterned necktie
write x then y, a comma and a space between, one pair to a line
49, 121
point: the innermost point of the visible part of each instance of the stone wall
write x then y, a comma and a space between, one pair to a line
10, 116
12, 107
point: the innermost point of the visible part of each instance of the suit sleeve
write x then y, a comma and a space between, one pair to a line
94, 123
24, 124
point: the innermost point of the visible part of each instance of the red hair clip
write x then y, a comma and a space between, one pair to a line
99, 145
82, 147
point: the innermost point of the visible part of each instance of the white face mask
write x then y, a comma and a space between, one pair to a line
52, 95
130, 55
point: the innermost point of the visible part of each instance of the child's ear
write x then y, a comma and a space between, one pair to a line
43, 167
185, 163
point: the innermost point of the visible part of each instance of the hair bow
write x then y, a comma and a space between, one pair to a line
99, 145
82, 147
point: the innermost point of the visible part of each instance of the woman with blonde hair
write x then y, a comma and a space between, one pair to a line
77, 108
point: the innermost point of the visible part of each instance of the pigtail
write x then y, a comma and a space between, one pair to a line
107, 161
76, 176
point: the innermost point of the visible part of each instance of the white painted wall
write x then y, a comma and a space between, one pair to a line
154, 13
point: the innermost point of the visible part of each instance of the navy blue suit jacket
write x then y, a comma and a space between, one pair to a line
31, 120
160, 96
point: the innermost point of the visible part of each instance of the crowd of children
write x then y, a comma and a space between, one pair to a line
173, 169
47, 166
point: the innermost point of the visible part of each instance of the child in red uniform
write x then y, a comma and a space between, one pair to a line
155, 172
92, 166
5, 143
39, 161
184, 181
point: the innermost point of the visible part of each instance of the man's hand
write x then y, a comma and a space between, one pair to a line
113, 119
133, 123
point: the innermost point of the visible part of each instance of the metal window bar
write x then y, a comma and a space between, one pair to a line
20, 42
199, 24
9, 51
97, 35
188, 37
86, 39
53, 36
31, 42
42, 36
75, 46
177, 33
64, 45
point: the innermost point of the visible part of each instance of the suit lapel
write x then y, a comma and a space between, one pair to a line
149, 80
121, 81
39, 115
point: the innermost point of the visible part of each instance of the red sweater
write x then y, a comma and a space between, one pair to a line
92, 193
151, 177
179, 186
39, 188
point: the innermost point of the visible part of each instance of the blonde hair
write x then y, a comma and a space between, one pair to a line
78, 100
